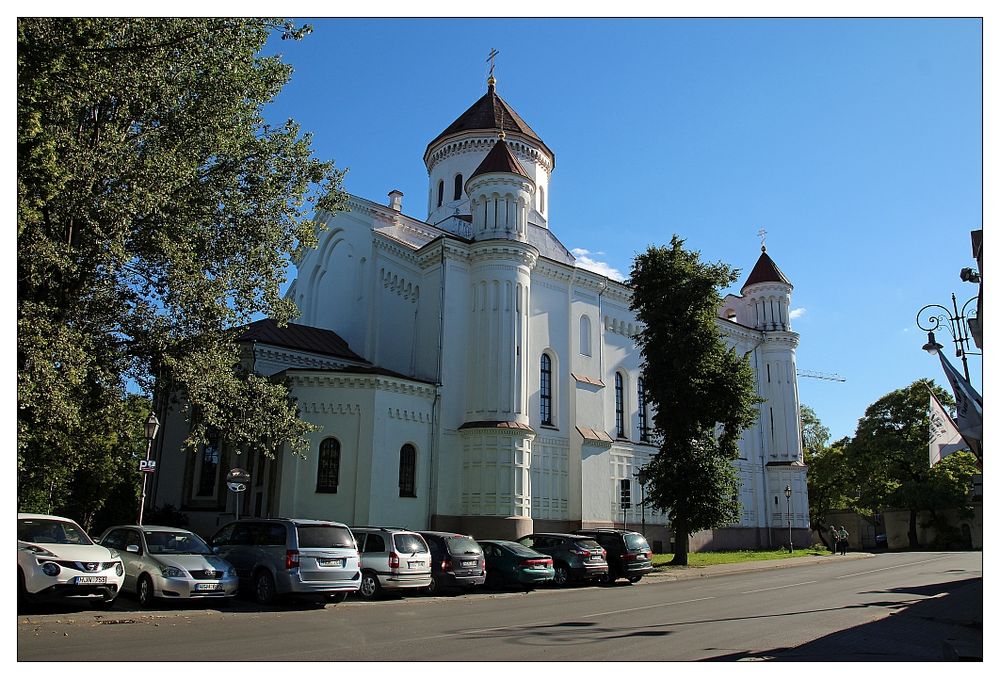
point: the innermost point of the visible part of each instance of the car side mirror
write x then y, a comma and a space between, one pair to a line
215, 549
134, 549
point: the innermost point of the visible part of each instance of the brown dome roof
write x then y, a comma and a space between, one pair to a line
500, 159
766, 271
490, 113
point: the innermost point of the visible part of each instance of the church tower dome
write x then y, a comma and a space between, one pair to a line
457, 152
768, 294
500, 195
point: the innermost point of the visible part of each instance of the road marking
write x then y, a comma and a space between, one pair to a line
889, 568
642, 608
768, 589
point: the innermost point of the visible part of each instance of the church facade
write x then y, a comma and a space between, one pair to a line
466, 374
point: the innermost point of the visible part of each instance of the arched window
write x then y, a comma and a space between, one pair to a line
585, 335
620, 405
440, 192
643, 413
328, 469
545, 390
208, 468
458, 187
407, 471
541, 199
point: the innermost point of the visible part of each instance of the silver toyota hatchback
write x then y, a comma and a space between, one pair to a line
169, 563
291, 556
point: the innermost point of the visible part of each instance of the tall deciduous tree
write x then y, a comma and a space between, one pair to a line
703, 393
888, 456
157, 211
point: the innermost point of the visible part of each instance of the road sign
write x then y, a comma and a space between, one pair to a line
238, 479
147, 466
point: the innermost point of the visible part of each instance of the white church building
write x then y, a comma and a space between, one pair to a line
465, 373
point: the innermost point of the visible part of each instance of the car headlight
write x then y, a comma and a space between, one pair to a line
119, 570
231, 573
171, 572
50, 568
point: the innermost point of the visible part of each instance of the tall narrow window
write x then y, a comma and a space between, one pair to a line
545, 391
458, 187
620, 405
643, 415
541, 199
440, 192
328, 470
585, 335
407, 471
209, 466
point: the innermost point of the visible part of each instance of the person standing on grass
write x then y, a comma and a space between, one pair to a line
843, 540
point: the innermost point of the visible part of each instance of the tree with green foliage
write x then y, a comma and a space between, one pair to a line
703, 393
157, 213
829, 480
888, 458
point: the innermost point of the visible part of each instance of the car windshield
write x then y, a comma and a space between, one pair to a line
51, 532
462, 544
636, 541
408, 543
175, 542
325, 536
589, 545
520, 550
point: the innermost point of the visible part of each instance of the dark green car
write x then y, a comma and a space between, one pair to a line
510, 564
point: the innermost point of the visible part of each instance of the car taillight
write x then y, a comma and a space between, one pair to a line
393, 560
292, 559
446, 565
536, 562
604, 554
580, 552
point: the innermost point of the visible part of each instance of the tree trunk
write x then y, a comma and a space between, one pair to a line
912, 532
680, 544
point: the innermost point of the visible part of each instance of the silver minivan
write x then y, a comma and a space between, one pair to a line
392, 558
291, 556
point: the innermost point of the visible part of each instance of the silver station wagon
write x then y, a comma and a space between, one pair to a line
169, 563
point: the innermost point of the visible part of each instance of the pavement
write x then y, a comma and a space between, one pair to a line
947, 625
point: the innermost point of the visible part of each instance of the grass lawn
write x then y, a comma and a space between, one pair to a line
697, 559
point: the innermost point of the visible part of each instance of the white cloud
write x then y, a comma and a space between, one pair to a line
797, 313
584, 261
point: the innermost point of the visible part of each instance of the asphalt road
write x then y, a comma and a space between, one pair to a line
834, 609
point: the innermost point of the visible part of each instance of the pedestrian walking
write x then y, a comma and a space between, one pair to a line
843, 535
834, 540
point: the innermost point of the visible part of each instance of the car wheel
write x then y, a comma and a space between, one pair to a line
144, 591
494, 580
263, 588
337, 597
433, 588
634, 578
605, 579
562, 575
370, 587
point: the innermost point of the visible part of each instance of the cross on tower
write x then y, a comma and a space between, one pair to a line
492, 59
762, 233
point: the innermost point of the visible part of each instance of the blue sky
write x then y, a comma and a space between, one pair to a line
856, 143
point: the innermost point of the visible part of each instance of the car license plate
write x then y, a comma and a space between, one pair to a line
331, 563
207, 587
415, 564
469, 564
91, 579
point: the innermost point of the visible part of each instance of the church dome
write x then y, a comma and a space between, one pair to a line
765, 271
490, 114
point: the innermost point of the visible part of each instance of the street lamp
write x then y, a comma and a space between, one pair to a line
152, 426
955, 321
788, 511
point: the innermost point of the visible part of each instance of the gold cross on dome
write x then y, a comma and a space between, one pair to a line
492, 59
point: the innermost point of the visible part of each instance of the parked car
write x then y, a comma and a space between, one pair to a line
57, 559
512, 564
456, 561
276, 557
170, 563
392, 558
574, 557
628, 553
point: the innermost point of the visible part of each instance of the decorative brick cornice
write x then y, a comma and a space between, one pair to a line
348, 380
504, 250
481, 143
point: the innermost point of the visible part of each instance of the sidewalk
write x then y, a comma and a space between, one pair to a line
687, 572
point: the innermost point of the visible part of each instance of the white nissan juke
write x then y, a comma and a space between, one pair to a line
56, 559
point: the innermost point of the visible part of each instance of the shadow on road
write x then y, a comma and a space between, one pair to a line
947, 625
